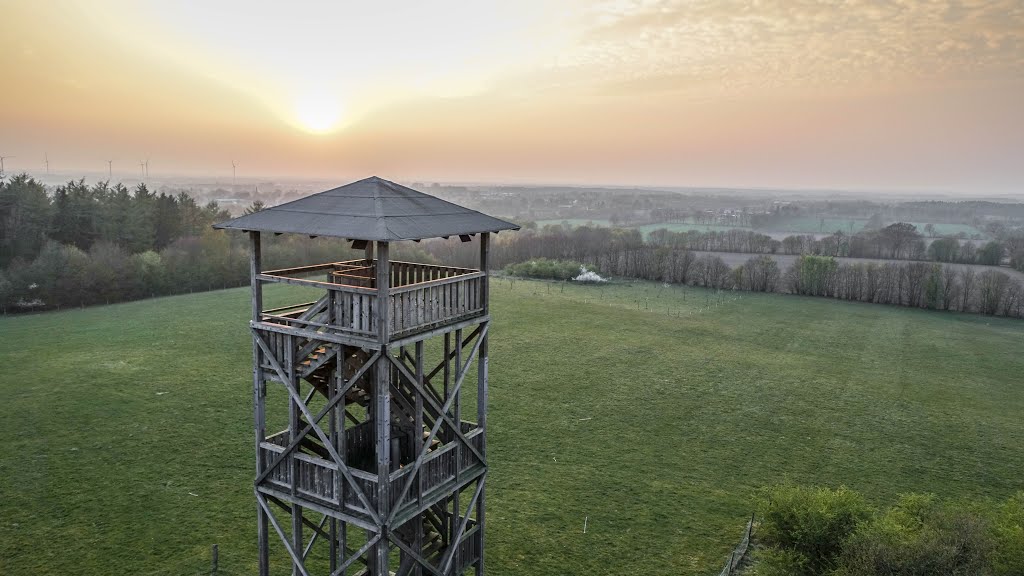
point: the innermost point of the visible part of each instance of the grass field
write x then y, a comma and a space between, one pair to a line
646, 228
943, 229
785, 227
655, 412
574, 222
813, 225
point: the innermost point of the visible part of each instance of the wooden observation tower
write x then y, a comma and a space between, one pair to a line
380, 468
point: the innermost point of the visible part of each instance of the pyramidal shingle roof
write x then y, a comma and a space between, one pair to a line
370, 209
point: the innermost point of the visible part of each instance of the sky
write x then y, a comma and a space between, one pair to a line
899, 95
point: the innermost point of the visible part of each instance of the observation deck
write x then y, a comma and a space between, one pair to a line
419, 298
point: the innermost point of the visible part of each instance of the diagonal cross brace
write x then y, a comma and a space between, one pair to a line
442, 417
414, 554
318, 529
338, 460
449, 554
298, 561
426, 379
323, 412
357, 555
452, 354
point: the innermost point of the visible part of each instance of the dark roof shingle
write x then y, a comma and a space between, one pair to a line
370, 209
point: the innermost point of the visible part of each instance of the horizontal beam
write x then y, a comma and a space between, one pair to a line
444, 328
335, 337
314, 284
283, 308
302, 269
361, 522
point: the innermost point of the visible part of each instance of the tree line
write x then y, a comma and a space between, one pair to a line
623, 253
77, 214
899, 241
92, 245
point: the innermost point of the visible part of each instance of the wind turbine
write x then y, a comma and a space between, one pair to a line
2, 158
46, 160
147, 167
233, 175
110, 170
142, 169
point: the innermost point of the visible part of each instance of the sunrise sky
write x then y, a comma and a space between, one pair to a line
899, 95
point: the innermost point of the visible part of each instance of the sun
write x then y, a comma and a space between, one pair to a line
318, 114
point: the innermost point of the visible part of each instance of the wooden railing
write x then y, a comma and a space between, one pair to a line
434, 302
318, 479
420, 297
440, 468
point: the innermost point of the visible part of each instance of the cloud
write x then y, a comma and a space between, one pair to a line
736, 45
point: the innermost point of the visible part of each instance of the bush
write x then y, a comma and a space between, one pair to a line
1008, 537
918, 537
816, 531
810, 524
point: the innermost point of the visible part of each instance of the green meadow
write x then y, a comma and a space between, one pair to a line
653, 413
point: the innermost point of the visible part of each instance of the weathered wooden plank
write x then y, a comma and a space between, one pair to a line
313, 283
437, 282
303, 269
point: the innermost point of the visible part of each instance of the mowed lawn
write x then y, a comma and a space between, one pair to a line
654, 413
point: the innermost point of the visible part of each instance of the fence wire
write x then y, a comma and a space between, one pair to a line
738, 553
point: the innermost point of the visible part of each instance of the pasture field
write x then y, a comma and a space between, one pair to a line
944, 229
646, 229
654, 412
574, 222
813, 225
785, 261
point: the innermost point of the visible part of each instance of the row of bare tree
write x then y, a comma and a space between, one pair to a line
916, 284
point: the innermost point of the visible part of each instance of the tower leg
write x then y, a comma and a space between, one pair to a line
481, 415
382, 422
262, 527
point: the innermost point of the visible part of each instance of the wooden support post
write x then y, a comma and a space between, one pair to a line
481, 408
418, 443
457, 405
259, 390
332, 425
382, 414
293, 432
340, 486
481, 395
485, 263
255, 257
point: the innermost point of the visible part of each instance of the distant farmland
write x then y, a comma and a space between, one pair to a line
734, 259
653, 412
787, 227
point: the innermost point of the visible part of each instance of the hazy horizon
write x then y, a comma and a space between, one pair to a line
897, 98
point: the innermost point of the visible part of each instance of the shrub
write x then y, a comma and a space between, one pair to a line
810, 524
815, 531
918, 537
1008, 537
